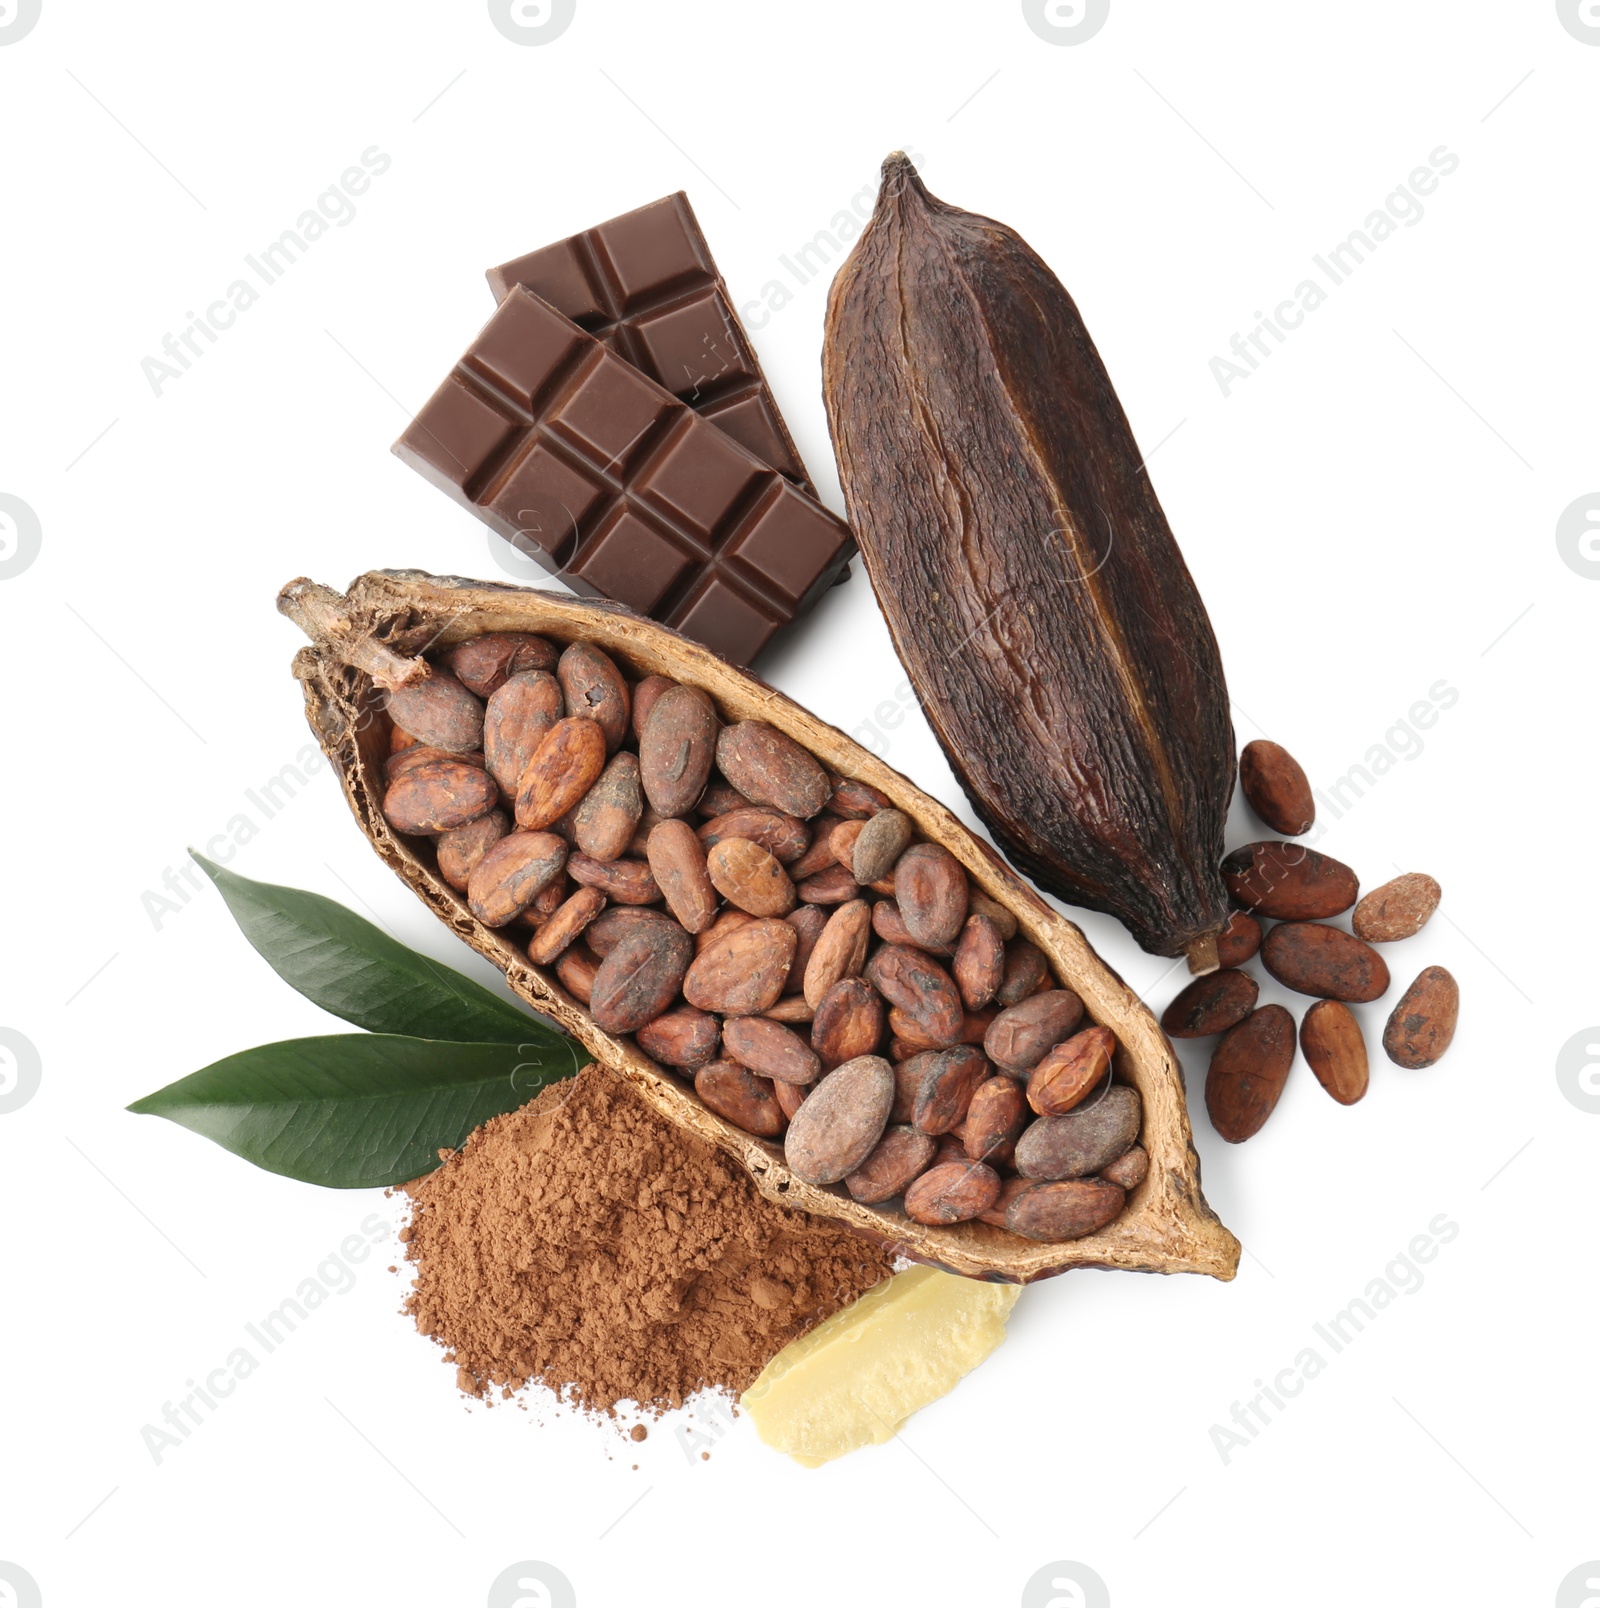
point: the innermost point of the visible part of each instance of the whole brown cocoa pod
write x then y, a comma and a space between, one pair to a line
439, 796
743, 972
1331, 1041
1019, 1036
683, 1037
1421, 1026
841, 1122
519, 716
565, 765
771, 1050
1064, 1211
1399, 909
1313, 959
677, 747
461, 849
769, 767
1289, 882
848, 1022
640, 978
1211, 1004
604, 820
954, 1192
747, 1101
438, 711
594, 690
1276, 788
677, 862
897, 1158
484, 664
1249, 1068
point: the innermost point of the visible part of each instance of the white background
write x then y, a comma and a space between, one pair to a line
1373, 512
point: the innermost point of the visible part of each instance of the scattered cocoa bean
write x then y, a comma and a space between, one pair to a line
439, 796
1019, 1036
1070, 1070
841, 1122
1085, 1140
1276, 788
640, 978
881, 841
771, 1049
743, 972
1129, 1170
1027, 971
750, 878
605, 819
840, 951
677, 748
460, 850
1288, 881
782, 836
683, 1037
565, 765
896, 1160
954, 1192
980, 962
677, 862
1421, 1026
741, 1097
1331, 1041
438, 711
930, 889
1064, 1211
996, 1116
921, 988
519, 717
1399, 909
629, 882
769, 767
848, 1022
1239, 940
594, 689
1313, 959
1211, 1004
566, 923
511, 873
1249, 1068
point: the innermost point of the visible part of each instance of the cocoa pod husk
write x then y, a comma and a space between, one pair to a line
1331, 1041
769, 767
743, 972
518, 718
952, 1192
841, 1122
438, 796
684, 1037
1289, 882
1248, 1070
1211, 1004
770, 1050
1326, 961
1067, 1210
677, 747
595, 690
1276, 788
603, 824
847, 1022
900, 1156
567, 922
1399, 909
748, 1102
677, 861
1423, 1023
565, 765
484, 664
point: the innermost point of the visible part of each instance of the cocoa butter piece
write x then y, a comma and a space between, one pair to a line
1211, 1004
1289, 882
847, 1022
1399, 909
1064, 1211
1331, 1041
899, 1157
930, 888
1249, 1068
1085, 1140
841, 1122
770, 1050
1276, 788
684, 1037
738, 1095
1326, 961
743, 972
640, 978
438, 711
1019, 1036
1421, 1026
952, 1192
677, 747
769, 767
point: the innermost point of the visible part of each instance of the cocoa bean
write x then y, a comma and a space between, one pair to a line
831, 886
923, 990
628, 882
769, 767
677, 862
439, 796
604, 821
719, 799
484, 664
1331, 1041
1069, 1071
909, 1031
954, 1192
952, 1148
1129, 1170
810, 921
848, 1022
842, 842
460, 850
1010, 1188
791, 1009
945, 1083
741, 1097
980, 904
576, 971
840, 951
980, 962
782, 836
518, 718
612, 926
743, 972
889, 926
841, 1122
790, 1097
819, 855
1064, 1211
565, 765
1314, 959
407, 759
645, 693
749, 878
400, 740
594, 690
1421, 1026
1399, 909
1239, 940
566, 922
855, 801
881, 841
676, 749
1085, 1140
550, 897
640, 978
1249, 1068
725, 923
1288, 881
1027, 971
1276, 788
639, 843
1211, 1004
908, 1075
438, 711
895, 1161
1019, 1036
683, 1037
930, 888
996, 1116
771, 1049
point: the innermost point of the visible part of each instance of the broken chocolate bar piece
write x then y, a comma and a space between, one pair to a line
645, 285
622, 490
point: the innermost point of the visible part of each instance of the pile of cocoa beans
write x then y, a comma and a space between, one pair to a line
780, 935
1302, 891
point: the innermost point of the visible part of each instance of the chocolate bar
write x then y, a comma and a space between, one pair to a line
645, 284
614, 484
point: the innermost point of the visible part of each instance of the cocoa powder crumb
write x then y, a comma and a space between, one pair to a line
587, 1244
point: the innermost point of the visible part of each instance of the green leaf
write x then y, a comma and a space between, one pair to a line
354, 970
354, 1111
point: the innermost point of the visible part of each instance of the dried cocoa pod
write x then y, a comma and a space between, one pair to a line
724, 924
1211, 1004
790, 1097
747, 1101
980, 962
518, 718
841, 1121
887, 923
848, 1022
1331, 1041
640, 978
629, 882
1070, 1070
683, 1037
946, 1080
1026, 973
930, 889
743, 972
408, 758
819, 856
810, 921
980, 904
921, 988
512, 873
1421, 1026
1276, 788
439, 796
749, 878
678, 863
1289, 882
677, 747
1085, 713
576, 971
594, 690
1019, 1036
882, 840
782, 836
996, 1116
831, 886
771, 1050
896, 1160
1249, 1068
643, 700
1129, 1170
460, 850
1314, 959
1064, 1211
1085, 1140
1240, 939
439, 711
771, 768
954, 1192
485, 663
792, 1009
605, 819
567, 922
565, 765
610, 927
841, 951
1399, 909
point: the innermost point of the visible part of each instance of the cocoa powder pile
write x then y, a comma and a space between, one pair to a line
585, 1243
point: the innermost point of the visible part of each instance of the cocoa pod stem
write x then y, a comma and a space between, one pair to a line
324, 615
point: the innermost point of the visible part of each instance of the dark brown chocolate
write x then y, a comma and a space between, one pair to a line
598, 473
646, 286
